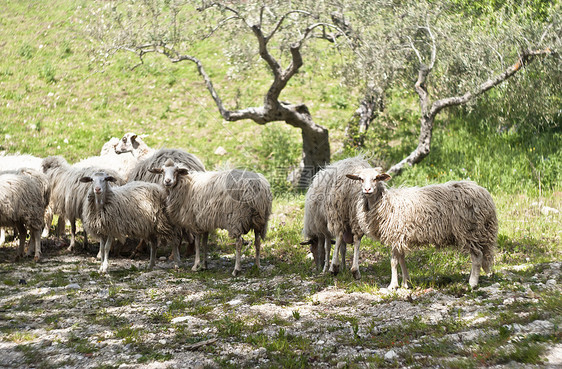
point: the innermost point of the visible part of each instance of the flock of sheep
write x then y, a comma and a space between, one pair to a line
166, 195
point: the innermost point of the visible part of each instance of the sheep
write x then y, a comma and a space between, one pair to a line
459, 214
340, 210
120, 163
234, 200
136, 209
13, 162
141, 171
67, 193
18, 161
134, 144
24, 195
109, 146
315, 223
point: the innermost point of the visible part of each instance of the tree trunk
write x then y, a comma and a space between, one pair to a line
423, 148
315, 155
369, 107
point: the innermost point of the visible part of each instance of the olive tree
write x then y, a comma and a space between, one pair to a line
449, 58
276, 30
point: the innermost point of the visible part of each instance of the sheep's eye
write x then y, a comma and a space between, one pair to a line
124, 139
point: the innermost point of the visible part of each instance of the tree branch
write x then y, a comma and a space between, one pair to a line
525, 58
278, 25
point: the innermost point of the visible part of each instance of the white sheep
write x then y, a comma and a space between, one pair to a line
15, 162
187, 160
121, 164
67, 193
315, 226
141, 173
234, 200
340, 209
24, 195
458, 214
109, 146
136, 209
134, 144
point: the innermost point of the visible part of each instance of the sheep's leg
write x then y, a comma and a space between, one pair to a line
237, 268
321, 250
104, 249
100, 251
205, 243
22, 233
476, 256
35, 240
197, 258
48, 221
137, 249
335, 266
327, 249
72, 234
2, 235
343, 250
85, 247
317, 249
355, 266
176, 253
31, 246
153, 245
257, 246
59, 230
405, 274
394, 260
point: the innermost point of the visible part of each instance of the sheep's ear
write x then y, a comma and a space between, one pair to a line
383, 177
353, 176
183, 171
156, 170
110, 179
86, 179
133, 138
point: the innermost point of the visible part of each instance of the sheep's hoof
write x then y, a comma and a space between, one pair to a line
37, 259
356, 274
195, 268
235, 272
393, 286
335, 269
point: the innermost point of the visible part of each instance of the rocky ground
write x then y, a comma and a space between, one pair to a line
60, 313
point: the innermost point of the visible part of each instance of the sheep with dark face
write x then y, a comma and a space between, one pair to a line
458, 214
134, 144
24, 196
136, 209
235, 200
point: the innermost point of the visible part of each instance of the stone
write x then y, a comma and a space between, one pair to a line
390, 356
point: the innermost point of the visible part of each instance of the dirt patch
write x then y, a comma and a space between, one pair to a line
62, 313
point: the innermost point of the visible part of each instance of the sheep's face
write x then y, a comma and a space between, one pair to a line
128, 143
369, 179
99, 183
170, 173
